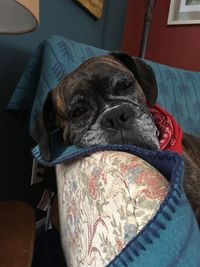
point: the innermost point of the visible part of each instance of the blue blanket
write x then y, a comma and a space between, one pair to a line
53, 59
172, 237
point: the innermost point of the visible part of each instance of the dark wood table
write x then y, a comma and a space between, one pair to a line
17, 234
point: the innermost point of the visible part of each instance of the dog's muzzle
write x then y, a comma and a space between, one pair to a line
127, 124
116, 118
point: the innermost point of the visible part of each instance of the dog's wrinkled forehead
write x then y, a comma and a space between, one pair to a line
101, 72
103, 65
102, 75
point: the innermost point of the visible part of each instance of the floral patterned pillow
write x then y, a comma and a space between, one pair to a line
104, 201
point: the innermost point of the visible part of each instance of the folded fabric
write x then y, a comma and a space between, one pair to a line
170, 133
103, 224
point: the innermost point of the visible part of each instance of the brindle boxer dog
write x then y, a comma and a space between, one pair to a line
103, 102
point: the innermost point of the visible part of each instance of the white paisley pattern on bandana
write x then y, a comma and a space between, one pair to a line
170, 133
104, 201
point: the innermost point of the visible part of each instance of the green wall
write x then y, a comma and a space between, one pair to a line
60, 17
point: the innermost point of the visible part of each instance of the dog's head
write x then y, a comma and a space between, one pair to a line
101, 102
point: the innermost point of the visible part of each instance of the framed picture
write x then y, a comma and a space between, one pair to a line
93, 7
184, 12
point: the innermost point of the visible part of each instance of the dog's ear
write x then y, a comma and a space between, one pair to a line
45, 124
142, 72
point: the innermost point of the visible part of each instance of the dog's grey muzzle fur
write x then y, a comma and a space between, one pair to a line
122, 124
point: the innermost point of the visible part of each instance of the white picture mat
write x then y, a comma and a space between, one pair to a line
180, 13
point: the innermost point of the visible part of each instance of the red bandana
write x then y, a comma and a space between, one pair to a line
170, 133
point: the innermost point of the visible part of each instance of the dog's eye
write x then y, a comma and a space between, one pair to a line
127, 84
121, 79
123, 84
78, 112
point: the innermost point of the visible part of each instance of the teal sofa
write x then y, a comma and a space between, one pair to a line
175, 240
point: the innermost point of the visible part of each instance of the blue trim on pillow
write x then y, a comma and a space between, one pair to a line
61, 154
171, 237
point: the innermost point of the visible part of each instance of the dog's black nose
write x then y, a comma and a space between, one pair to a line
115, 118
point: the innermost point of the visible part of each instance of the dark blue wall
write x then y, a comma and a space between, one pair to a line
60, 17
